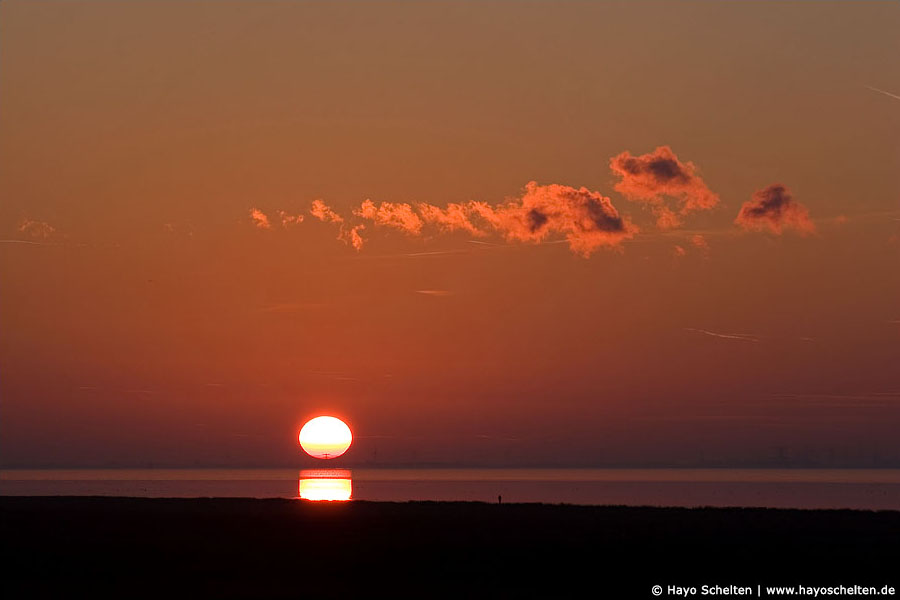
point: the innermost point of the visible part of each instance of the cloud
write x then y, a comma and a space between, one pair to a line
455, 217
351, 236
436, 293
324, 213
36, 230
775, 210
654, 177
695, 243
287, 219
178, 228
348, 234
699, 242
586, 218
260, 219
389, 214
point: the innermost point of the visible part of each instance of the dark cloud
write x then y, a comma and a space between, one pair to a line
659, 176
774, 209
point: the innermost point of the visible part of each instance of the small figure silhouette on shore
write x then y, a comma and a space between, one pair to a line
499, 499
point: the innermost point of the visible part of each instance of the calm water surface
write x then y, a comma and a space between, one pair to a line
874, 489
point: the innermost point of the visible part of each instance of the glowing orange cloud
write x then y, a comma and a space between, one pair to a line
453, 218
38, 230
653, 177
587, 219
774, 209
324, 213
698, 241
260, 219
389, 214
351, 236
287, 219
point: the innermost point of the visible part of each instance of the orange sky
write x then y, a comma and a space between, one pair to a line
703, 271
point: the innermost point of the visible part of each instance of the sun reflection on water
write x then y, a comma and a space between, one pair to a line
325, 484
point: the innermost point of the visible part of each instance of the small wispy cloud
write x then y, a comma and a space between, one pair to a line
260, 219
289, 219
434, 292
36, 230
699, 242
178, 228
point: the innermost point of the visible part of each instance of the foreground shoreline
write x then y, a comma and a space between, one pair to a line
257, 548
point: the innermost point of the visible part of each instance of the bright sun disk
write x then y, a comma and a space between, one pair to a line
325, 437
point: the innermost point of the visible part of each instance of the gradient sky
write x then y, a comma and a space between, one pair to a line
727, 292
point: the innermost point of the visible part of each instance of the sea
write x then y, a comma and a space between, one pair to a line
861, 489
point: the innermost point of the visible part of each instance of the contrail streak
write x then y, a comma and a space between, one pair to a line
22, 242
744, 337
875, 89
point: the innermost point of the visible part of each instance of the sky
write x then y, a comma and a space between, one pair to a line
487, 234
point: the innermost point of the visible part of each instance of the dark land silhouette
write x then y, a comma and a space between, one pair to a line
246, 548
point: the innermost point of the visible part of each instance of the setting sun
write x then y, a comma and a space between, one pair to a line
554, 297
325, 437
